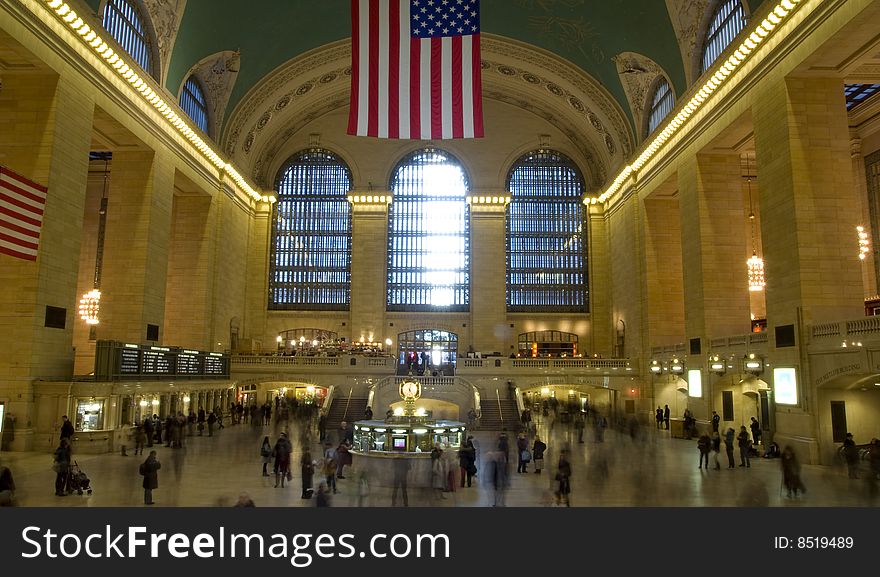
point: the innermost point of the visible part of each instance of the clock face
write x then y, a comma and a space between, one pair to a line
409, 390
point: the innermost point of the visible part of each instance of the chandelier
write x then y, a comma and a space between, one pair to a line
864, 243
89, 305
755, 263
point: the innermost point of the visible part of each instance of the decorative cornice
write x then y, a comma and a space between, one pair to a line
639, 75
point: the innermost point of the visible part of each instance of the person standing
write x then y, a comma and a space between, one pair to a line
704, 444
744, 446
212, 418
282, 452
66, 428
716, 421
368, 414
522, 453
579, 425
331, 460
658, 416
401, 472
538, 448
322, 427
467, 458
149, 469
266, 455
61, 466
756, 431
438, 473
7, 487
729, 437
666, 416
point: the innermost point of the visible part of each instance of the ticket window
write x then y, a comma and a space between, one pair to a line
89, 415
398, 442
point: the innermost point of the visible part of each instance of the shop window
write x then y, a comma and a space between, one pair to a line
89, 415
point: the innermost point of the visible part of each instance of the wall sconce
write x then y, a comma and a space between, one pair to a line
717, 365
656, 367
753, 364
677, 367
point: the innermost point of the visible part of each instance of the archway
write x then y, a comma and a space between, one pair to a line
428, 352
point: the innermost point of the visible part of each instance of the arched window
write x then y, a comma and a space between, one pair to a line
123, 20
729, 19
545, 235
192, 100
661, 105
428, 232
310, 257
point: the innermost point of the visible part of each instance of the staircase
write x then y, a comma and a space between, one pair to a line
345, 409
498, 418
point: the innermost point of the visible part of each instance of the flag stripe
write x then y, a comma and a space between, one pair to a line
415, 69
456, 110
393, 80
477, 92
21, 215
354, 109
375, 43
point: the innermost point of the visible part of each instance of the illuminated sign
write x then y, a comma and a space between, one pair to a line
785, 386
695, 383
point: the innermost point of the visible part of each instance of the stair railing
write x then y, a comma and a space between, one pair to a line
500, 412
347, 403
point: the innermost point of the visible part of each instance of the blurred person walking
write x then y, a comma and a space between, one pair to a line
307, 469
538, 448
523, 455
282, 451
851, 456
467, 458
401, 472
563, 477
61, 466
791, 472
7, 487
704, 444
266, 455
716, 449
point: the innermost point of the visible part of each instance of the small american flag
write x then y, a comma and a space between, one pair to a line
416, 69
21, 215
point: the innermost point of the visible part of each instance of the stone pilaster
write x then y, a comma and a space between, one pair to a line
369, 249
489, 328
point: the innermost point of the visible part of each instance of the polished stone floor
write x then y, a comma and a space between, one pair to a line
653, 470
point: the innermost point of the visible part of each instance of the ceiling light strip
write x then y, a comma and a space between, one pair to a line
92, 39
780, 13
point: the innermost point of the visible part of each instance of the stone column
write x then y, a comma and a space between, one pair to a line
488, 296
136, 246
369, 255
45, 136
602, 326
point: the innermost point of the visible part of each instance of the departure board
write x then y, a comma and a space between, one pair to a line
216, 364
130, 360
189, 362
125, 361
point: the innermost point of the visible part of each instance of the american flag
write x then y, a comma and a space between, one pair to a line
415, 71
21, 215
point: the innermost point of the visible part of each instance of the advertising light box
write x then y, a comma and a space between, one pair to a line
695, 383
785, 386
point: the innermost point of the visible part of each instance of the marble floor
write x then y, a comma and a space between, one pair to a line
654, 471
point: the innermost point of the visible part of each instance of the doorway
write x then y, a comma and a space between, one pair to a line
428, 352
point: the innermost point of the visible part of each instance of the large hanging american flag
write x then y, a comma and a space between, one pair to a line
21, 215
415, 69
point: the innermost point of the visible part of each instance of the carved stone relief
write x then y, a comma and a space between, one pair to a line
166, 16
638, 74
217, 74
686, 17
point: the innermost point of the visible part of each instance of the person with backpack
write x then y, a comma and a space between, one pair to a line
523, 455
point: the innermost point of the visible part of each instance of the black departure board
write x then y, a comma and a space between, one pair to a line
189, 362
115, 360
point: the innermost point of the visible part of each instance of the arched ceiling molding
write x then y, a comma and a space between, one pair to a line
165, 16
639, 76
319, 82
217, 74
688, 17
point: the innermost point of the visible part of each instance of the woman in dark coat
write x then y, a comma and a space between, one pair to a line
149, 469
538, 449
467, 458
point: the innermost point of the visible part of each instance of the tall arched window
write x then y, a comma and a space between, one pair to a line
192, 100
729, 19
123, 20
310, 257
428, 230
661, 104
545, 235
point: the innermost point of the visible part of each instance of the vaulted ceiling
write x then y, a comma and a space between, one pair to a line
269, 33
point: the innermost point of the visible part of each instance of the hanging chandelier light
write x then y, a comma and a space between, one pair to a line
864, 243
755, 263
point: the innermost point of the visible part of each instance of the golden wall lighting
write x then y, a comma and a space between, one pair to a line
756, 273
488, 200
781, 12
